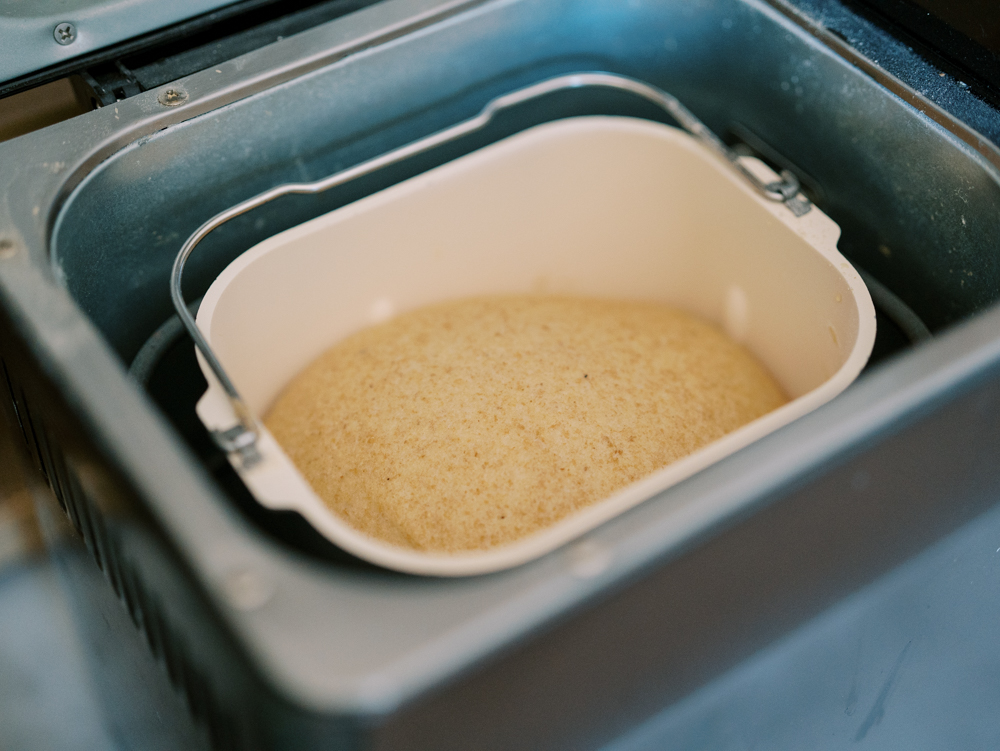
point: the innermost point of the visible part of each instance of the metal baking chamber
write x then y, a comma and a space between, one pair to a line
276, 640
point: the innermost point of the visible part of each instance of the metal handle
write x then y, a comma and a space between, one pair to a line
242, 437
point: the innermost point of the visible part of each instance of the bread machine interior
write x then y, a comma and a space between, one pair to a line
605, 207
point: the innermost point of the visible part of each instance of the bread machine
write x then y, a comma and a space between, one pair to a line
218, 624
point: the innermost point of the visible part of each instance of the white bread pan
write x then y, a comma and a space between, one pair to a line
608, 207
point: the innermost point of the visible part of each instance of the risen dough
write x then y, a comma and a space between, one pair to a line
470, 424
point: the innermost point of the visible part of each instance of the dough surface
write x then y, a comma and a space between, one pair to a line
470, 424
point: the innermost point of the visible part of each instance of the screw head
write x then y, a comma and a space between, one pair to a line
64, 33
172, 97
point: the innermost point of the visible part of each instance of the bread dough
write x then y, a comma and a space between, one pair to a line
469, 424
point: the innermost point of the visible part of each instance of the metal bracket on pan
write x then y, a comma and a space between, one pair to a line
241, 439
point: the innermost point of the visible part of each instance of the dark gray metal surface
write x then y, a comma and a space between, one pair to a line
29, 29
911, 662
946, 88
562, 652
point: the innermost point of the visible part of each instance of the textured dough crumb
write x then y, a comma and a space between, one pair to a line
470, 424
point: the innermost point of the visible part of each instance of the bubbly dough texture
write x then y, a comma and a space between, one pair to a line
470, 424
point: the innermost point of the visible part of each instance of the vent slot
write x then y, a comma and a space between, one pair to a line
27, 427
13, 401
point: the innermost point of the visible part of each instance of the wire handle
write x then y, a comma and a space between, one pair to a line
241, 439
